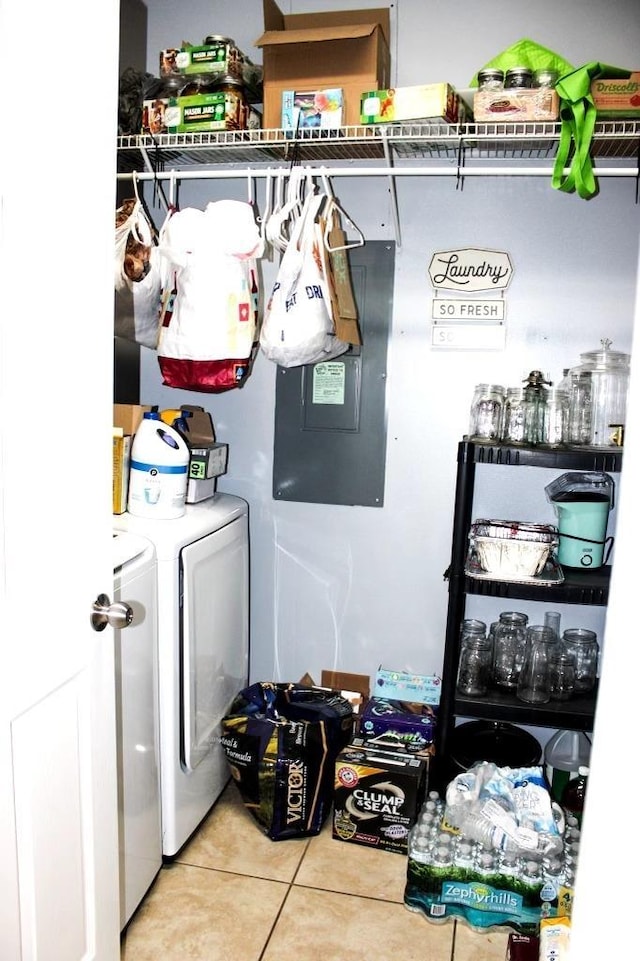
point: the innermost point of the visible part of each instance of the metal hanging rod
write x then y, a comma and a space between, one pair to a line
451, 170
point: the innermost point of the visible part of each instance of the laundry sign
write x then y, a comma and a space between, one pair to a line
470, 269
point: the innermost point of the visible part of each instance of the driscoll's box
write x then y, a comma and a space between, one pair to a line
377, 796
617, 98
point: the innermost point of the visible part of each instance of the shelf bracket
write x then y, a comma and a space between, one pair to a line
392, 189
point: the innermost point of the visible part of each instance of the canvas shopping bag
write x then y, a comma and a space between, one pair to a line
298, 326
209, 317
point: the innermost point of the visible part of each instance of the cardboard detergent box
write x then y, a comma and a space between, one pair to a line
617, 98
312, 109
348, 49
399, 725
431, 102
377, 796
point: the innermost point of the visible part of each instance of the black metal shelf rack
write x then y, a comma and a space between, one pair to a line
579, 587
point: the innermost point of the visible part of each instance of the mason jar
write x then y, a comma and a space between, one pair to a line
555, 418
486, 412
474, 667
583, 645
509, 645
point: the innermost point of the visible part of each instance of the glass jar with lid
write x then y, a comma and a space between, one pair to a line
607, 372
491, 78
518, 77
583, 645
509, 647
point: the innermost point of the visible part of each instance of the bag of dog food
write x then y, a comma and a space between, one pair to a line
281, 742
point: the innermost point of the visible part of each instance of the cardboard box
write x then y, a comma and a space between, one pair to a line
377, 796
128, 416
404, 686
431, 102
206, 464
200, 113
121, 460
353, 687
312, 109
516, 106
617, 98
399, 725
313, 51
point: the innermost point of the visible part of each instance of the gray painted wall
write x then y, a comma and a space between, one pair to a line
352, 588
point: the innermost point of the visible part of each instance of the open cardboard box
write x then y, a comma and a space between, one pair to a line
353, 687
313, 51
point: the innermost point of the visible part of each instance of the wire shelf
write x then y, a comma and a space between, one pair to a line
406, 141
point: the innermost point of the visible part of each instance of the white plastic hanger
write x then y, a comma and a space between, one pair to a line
331, 205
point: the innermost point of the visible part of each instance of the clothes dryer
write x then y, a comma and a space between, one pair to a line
203, 650
136, 662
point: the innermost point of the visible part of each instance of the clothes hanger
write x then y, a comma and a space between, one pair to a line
332, 205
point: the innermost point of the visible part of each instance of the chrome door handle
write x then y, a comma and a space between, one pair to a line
117, 615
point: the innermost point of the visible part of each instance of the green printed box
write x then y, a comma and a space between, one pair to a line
200, 113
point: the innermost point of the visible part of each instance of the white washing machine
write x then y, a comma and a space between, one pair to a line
136, 659
203, 650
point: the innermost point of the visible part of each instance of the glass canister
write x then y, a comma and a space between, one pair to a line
607, 373
583, 645
579, 431
486, 412
474, 668
518, 78
509, 647
534, 683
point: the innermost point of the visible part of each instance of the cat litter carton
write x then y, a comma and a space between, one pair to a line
377, 796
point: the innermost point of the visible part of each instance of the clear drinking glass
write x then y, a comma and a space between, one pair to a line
534, 683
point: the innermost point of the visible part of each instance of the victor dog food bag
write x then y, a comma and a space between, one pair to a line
281, 742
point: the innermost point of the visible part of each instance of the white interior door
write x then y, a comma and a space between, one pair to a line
58, 798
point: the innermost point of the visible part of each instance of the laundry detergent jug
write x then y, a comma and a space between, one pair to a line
582, 501
159, 470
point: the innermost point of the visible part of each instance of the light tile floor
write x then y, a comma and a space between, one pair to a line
231, 894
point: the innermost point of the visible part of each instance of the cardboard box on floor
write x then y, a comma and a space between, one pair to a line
312, 51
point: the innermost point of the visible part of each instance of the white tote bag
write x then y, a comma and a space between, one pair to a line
298, 324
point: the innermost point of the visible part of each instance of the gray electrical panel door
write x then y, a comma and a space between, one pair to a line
330, 418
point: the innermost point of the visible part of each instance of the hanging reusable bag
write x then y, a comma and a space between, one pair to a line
137, 279
298, 326
578, 117
210, 287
